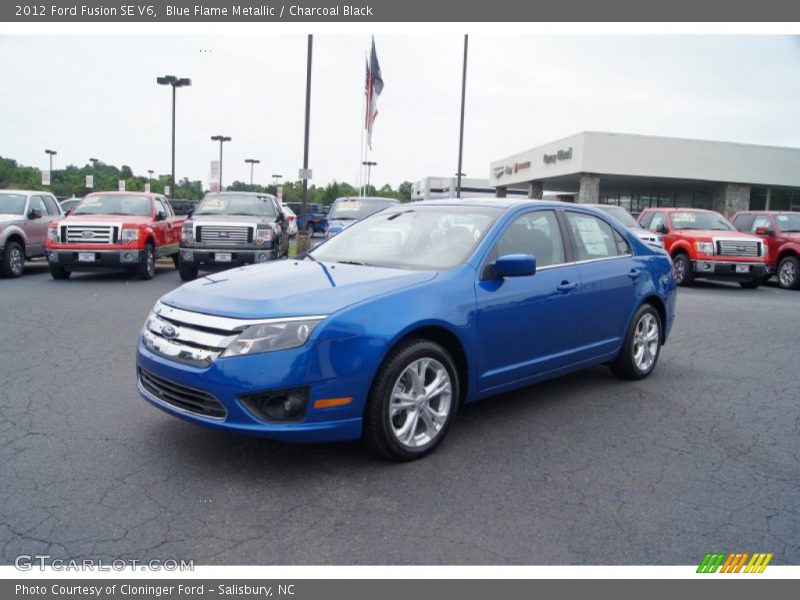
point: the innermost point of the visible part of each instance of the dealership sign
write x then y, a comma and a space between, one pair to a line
551, 159
511, 169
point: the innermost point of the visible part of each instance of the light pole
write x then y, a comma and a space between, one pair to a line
252, 161
51, 153
150, 175
94, 171
461, 130
175, 82
459, 175
276, 177
221, 139
369, 164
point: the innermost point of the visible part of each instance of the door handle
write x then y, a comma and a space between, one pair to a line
635, 273
567, 286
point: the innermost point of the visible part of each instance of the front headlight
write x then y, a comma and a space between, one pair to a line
264, 235
52, 235
129, 235
187, 234
268, 337
705, 247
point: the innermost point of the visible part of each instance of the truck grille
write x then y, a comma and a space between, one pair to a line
224, 235
89, 234
180, 396
746, 248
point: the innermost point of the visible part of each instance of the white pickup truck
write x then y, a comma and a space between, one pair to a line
24, 219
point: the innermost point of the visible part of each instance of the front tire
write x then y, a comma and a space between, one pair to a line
13, 260
640, 351
682, 267
147, 269
789, 273
187, 272
413, 401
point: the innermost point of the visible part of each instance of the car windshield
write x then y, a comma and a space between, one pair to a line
114, 204
12, 204
788, 222
413, 237
700, 220
620, 214
354, 209
250, 205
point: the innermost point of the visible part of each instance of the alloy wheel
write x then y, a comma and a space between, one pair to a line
787, 273
420, 402
645, 342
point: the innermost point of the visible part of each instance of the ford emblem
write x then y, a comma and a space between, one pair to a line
224, 234
168, 331
87, 234
740, 248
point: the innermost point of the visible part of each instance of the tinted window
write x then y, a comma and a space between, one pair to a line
594, 237
52, 205
536, 233
36, 203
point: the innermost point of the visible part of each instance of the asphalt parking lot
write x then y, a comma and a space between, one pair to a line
702, 456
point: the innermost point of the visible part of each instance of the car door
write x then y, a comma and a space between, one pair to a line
773, 241
36, 229
609, 274
162, 228
527, 325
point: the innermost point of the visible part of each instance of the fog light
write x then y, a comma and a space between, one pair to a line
261, 257
129, 257
53, 258
284, 405
708, 267
187, 255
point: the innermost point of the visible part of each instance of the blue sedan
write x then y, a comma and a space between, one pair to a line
382, 331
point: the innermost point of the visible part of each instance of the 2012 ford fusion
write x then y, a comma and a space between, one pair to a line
383, 331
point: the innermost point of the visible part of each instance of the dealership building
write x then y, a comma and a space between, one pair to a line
640, 171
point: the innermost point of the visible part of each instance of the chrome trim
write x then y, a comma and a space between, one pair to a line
221, 323
189, 355
60, 250
157, 325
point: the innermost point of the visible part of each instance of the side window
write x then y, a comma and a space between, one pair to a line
52, 206
646, 217
167, 207
743, 221
659, 219
760, 221
593, 237
36, 203
160, 207
623, 247
535, 233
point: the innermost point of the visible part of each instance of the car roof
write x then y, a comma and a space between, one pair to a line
382, 198
148, 194
767, 212
26, 192
679, 209
229, 193
503, 203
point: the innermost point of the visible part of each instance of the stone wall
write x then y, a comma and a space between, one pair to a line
729, 198
589, 192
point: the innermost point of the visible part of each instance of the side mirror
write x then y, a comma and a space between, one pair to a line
515, 265
35, 213
161, 216
189, 213
764, 231
661, 229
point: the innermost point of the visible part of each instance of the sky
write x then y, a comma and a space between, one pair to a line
96, 96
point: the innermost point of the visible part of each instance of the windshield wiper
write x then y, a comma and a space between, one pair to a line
343, 218
353, 262
309, 256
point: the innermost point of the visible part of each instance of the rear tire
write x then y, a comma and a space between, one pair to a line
789, 273
682, 267
413, 401
59, 272
147, 268
13, 260
187, 272
642, 345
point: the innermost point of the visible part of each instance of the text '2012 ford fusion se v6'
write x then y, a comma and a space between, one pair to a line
381, 332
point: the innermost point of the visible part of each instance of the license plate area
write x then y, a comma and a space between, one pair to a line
222, 257
86, 257
742, 268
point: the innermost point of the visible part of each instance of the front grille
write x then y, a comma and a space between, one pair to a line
746, 248
180, 396
89, 234
221, 235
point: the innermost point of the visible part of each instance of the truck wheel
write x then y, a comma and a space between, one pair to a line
750, 285
413, 401
147, 268
789, 273
310, 230
59, 272
682, 267
13, 260
187, 272
639, 353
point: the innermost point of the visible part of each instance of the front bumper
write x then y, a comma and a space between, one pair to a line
730, 270
230, 257
227, 380
100, 259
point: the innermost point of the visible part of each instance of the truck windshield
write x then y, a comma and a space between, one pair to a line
427, 238
251, 205
619, 213
788, 222
700, 220
354, 209
116, 204
12, 204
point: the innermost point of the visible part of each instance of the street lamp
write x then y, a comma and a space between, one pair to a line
252, 161
369, 164
150, 175
175, 82
459, 175
276, 177
51, 153
220, 139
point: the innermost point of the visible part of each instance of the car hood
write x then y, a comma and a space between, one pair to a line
289, 288
232, 219
705, 234
106, 219
339, 224
5, 218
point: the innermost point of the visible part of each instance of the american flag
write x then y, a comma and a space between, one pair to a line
373, 89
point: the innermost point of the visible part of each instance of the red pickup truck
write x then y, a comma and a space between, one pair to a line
702, 243
127, 230
780, 230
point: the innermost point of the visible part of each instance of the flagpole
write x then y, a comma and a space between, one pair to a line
363, 129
